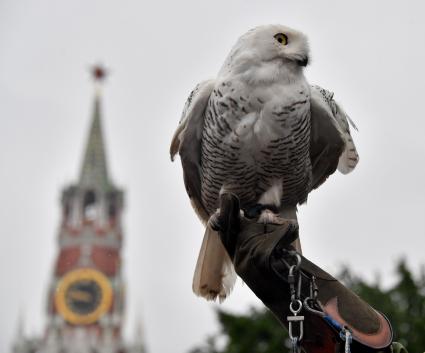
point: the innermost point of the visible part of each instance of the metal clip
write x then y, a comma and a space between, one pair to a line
346, 336
295, 311
295, 305
291, 281
314, 288
310, 307
295, 318
300, 320
297, 257
295, 345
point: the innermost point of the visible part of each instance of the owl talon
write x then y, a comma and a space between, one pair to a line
268, 216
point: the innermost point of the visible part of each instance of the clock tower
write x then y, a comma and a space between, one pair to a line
85, 303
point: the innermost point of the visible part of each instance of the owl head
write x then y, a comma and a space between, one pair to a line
269, 43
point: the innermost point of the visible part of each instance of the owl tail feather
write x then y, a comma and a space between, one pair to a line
214, 274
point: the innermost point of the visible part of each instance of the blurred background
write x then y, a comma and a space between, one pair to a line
369, 53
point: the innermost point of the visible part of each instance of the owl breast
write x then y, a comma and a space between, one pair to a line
254, 138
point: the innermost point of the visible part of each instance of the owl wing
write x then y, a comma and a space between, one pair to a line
331, 144
214, 273
187, 143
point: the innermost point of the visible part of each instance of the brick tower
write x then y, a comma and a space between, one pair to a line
85, 303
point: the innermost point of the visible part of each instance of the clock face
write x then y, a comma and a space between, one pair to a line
83, 296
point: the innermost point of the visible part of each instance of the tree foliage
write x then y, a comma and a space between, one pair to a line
259, 332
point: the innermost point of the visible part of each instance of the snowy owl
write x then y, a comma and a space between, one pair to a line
262, 132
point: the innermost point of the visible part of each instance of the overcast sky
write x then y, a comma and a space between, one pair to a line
370, 53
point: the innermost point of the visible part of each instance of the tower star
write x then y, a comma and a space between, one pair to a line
99, 73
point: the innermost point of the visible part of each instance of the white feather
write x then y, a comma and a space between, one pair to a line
214, 275
273, 195
349, 158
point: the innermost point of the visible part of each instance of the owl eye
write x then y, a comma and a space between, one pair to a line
281, 38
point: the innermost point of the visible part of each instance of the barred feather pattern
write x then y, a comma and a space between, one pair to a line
349, 158
251, 140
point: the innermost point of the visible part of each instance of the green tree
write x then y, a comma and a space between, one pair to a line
259, 332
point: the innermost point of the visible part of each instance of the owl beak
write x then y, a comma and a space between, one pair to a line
303, 61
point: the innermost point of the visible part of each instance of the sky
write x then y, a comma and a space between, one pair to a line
370, 53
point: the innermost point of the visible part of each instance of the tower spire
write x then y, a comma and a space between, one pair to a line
94, 171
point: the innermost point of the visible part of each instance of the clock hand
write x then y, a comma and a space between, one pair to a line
80, 295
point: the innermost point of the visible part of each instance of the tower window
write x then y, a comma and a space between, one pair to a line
112, 211
67, 210
89, 205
